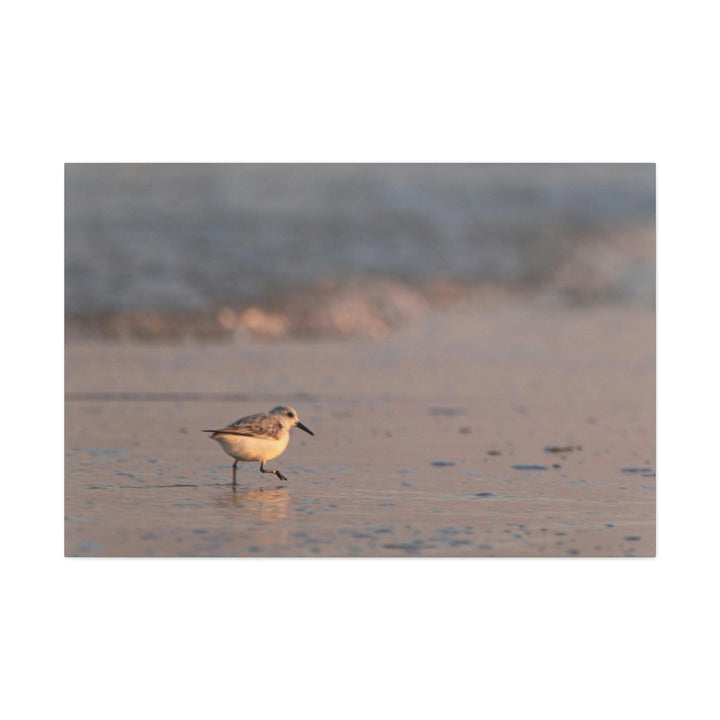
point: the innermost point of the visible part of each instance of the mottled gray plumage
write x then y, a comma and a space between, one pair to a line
257, 425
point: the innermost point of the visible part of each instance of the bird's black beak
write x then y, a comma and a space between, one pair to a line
302, 427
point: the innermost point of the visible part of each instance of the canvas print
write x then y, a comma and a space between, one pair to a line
360, 360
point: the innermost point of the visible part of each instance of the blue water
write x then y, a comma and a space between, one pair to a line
190, 237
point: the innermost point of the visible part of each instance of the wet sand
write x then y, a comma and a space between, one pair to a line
513, 430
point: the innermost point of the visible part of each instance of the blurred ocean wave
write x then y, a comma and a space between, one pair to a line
275, 250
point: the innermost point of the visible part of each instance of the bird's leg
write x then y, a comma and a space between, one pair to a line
234, 472
275, 472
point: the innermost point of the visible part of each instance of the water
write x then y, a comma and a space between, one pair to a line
193, 237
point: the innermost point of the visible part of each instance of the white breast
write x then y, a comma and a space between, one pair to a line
242, 447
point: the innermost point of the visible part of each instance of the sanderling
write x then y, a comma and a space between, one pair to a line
260, 437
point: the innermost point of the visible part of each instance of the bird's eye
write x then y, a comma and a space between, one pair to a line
289, 414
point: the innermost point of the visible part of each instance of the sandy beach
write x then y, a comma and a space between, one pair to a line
507, 429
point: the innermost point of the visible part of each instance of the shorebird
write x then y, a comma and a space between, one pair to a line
260, 437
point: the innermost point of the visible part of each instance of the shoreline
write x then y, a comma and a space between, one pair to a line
607, 269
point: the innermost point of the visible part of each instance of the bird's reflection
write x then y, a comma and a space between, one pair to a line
267, 505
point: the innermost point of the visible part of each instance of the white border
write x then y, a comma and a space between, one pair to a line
530, 82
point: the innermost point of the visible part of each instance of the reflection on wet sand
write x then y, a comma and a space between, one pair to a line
266, 505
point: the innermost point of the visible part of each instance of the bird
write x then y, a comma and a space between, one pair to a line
260, 437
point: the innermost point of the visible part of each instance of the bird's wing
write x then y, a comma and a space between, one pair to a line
258, 425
